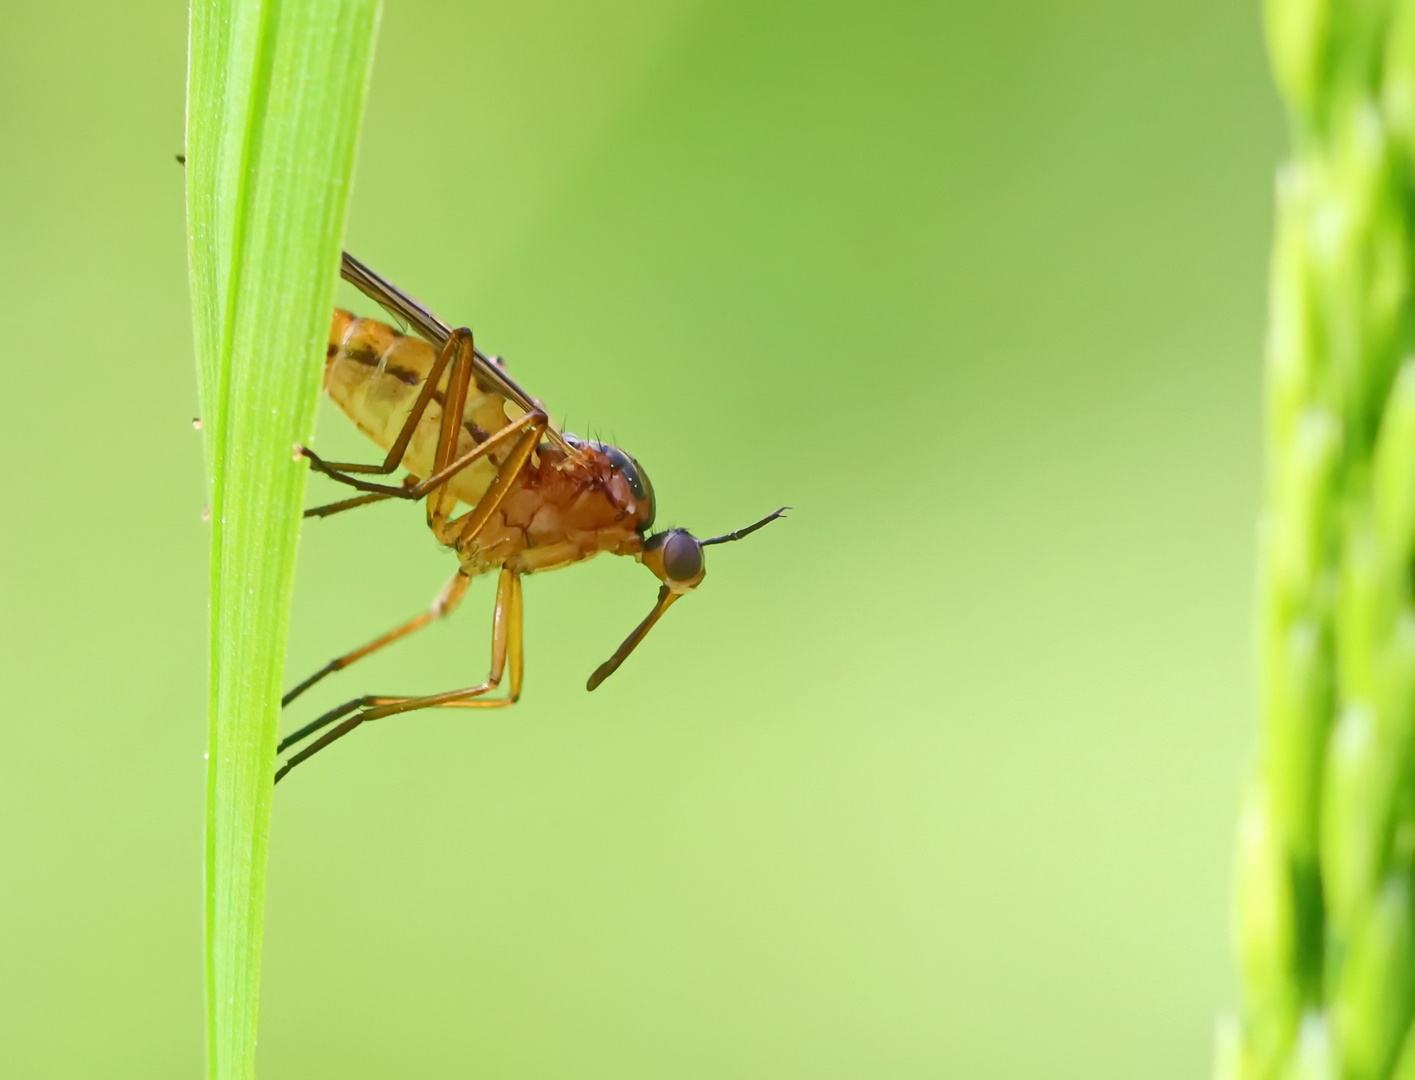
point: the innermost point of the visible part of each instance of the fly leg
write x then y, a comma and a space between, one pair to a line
458, 349
505, 650
329, 509
532, 423
459, 530
446, 603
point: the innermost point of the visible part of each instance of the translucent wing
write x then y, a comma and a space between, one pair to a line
399, 304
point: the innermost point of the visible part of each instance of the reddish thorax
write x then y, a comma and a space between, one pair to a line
562, 509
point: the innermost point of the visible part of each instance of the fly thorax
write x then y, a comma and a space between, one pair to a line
622, 479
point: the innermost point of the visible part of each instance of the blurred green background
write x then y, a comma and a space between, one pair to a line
936, 778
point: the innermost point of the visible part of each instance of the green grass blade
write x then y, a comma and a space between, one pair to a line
275, 95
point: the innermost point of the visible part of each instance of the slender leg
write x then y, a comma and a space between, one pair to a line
462, 529
442, 473
458, 349
446, 603
513, 634
530, 426
329, 509
505, 645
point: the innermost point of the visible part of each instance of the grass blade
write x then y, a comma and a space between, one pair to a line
275, 95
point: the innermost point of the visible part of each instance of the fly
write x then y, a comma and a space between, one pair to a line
536, 498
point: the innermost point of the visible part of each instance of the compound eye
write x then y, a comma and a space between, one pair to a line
682, 557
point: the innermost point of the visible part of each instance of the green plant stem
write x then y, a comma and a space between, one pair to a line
1326, 852
275, 95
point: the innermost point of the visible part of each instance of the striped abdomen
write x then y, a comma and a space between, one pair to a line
373, 373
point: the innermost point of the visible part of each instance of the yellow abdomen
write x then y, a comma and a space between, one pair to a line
373, 373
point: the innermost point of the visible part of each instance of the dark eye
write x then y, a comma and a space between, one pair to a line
682, 557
